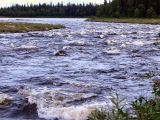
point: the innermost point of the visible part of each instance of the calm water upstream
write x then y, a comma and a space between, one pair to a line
64, 74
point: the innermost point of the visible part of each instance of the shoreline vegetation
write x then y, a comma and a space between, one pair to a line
142, 108
19, 27
126, 20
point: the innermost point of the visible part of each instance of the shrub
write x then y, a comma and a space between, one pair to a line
142, 10
143, 108
136, 13
117, 112
98, 115
151, 13
148, 109
117, 14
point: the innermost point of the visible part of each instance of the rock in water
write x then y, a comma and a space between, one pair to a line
4, 98
60, 53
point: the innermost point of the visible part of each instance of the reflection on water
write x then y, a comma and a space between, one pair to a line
65, 74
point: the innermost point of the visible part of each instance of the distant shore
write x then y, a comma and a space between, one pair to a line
126, 20
14, 27
47, 17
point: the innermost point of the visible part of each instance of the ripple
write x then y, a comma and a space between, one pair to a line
71, 71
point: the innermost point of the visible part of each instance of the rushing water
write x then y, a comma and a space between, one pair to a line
64, 74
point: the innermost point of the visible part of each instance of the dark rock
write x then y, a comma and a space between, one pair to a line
61, 53
133, 32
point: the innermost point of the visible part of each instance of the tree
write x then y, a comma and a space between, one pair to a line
130, 8
151, 13
136, 13
50, 10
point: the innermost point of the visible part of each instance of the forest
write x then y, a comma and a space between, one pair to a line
110, 9
50, 10
130, 8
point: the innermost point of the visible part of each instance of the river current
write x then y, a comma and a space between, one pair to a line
65, 74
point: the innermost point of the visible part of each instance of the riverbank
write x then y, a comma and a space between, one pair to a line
14, 27
126, 20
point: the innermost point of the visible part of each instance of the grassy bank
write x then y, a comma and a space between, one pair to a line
11, 27
126, 20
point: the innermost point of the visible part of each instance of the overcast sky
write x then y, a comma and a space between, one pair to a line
4, 3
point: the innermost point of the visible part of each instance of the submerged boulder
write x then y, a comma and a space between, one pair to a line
112, 33
133, 32
60, 53
4, 99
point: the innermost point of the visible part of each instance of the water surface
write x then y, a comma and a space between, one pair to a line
64, 74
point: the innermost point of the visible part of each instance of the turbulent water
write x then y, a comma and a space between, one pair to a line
65, 74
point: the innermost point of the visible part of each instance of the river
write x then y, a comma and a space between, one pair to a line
66, 73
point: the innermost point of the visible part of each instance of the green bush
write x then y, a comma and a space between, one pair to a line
151, 13
130, 12
117, 112
148, 109
143, 108
117, 14
100, 11
137, 13
97, 115
142, 10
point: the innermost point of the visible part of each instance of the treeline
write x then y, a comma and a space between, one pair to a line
50, 10
130, 8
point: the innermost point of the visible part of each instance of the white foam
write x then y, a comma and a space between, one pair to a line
67, 113
77, 43
137, 43
67, 48
123, 46
53, 104
28, 46
101, 36
140, 42
111, 51
4, 97
112, 42
124, 36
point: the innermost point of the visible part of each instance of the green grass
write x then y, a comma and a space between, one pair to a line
126, 20
13, 27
